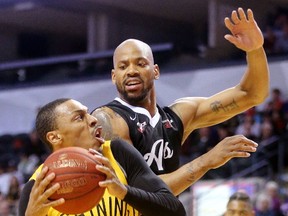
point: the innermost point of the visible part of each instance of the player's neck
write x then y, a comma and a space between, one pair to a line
147, 104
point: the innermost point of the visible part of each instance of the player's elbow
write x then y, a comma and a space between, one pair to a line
259, 98
256, 97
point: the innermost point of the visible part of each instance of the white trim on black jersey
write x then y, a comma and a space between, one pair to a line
152, 120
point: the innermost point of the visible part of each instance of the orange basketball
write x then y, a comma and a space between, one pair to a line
76, 173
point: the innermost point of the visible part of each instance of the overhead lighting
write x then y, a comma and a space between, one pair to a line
24, 6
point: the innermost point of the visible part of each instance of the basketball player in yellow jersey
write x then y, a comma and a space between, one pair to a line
131, 187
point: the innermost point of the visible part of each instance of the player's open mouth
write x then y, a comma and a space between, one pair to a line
98, 136
131, 82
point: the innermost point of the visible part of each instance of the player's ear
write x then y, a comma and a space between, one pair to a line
156, 72
113, 76
53, 137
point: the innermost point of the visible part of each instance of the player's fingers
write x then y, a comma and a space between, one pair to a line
244, 147
228, 23
50, 191
94, 152
55, 202
41, 175
234, 17
106, 183
241, 139
242, 14
106, 170
230, 38
46, 181
103, 160
239, 143
250, 15
41, 182
240, 154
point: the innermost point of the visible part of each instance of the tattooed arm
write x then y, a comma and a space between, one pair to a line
252, 89
228, 148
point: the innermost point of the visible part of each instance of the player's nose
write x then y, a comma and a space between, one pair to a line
92, 120
132, 70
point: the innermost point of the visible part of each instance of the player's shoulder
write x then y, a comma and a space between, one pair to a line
102, 109
107, 112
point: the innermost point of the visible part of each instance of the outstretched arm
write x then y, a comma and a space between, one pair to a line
246, 35
251, 90
224, 151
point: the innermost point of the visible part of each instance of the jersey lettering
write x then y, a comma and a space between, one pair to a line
114, 207
120, 208
164, 152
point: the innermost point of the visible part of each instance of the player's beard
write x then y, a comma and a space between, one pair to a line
133, 99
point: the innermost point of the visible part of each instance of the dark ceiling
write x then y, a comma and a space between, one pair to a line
52, 15
69, 17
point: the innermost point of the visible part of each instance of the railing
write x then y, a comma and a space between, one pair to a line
70, 58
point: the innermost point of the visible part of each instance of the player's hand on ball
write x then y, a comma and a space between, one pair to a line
39, 202
112, 183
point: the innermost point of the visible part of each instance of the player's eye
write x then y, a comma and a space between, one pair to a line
122, 67
79, 117
142, 64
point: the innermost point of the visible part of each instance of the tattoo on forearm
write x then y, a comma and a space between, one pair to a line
217, 106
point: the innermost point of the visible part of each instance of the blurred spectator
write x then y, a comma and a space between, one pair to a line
199, 142
276, 102
267, 134
14, 189
6, 151
27, 165
31, 145
249, 127
269, 40
280, 19
263, 205
274, 109
4, 206
272, 190
281, 43
224, 130
4, 181
13, 194
268, 145
284, 209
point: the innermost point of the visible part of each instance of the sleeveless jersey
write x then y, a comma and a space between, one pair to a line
158, 139
109, 205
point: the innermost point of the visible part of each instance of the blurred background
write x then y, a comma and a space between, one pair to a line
63, 48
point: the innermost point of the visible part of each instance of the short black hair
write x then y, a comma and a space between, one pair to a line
46, 119
241, 196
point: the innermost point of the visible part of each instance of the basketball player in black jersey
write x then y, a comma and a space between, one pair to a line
131, 186
157, 132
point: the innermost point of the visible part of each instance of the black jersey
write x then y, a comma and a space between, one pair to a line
158, 139
146, 192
